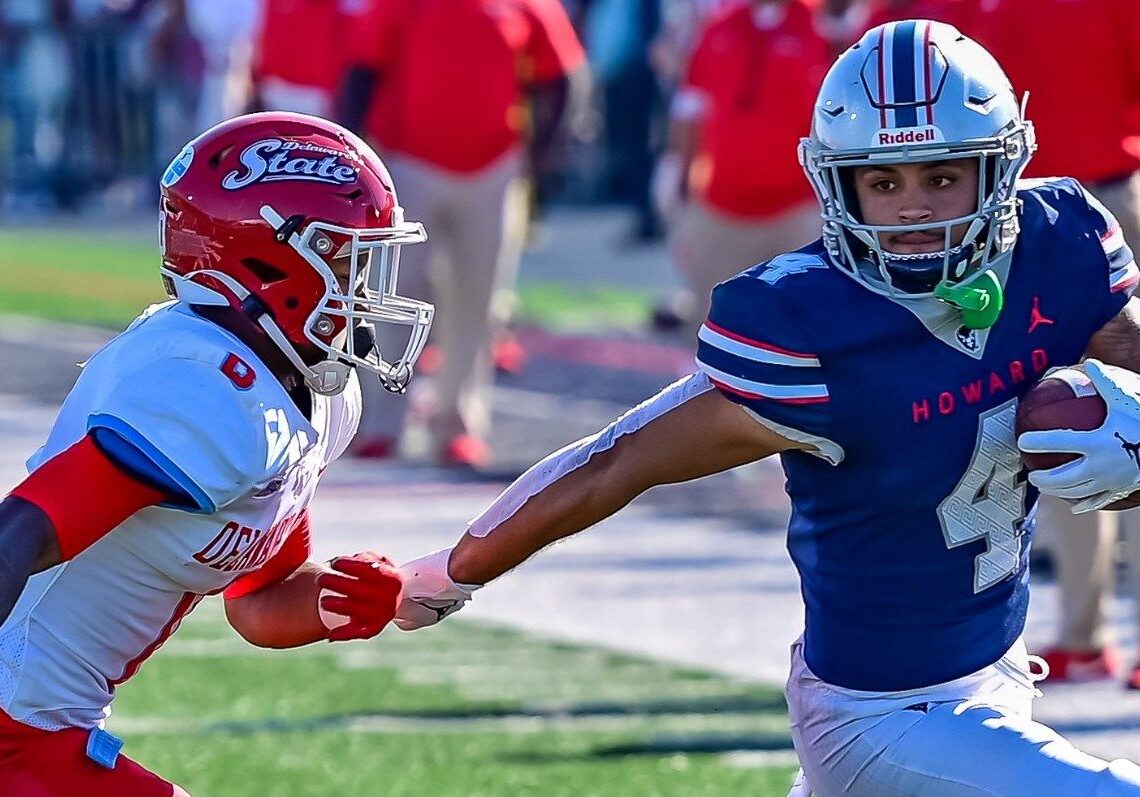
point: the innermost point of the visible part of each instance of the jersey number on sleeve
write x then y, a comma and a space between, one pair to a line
989, 501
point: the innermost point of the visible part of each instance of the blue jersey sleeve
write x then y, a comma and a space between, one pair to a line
756, 355
1122, 272
1068, 203
134, 461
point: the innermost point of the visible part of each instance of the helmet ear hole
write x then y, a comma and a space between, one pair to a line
265, 272
292, 303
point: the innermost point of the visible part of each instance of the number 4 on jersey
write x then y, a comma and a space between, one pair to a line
989, 501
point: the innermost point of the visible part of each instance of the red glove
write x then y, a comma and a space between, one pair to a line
364, 591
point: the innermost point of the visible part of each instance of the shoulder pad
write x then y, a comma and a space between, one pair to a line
191, 420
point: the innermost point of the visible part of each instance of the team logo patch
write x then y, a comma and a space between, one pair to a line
968, 338
178, 167
238, 372
274, 159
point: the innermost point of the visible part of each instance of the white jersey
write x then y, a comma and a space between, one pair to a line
202, 406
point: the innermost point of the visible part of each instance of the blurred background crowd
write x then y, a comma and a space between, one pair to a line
96, 95
679, 100
489, 112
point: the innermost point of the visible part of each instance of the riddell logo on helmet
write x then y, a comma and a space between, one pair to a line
289, 162
911, 135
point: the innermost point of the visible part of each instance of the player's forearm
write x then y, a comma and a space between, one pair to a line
684, 432
282, 615
573, 503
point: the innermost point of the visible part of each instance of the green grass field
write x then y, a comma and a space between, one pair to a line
455, 711
458, 710
107, 277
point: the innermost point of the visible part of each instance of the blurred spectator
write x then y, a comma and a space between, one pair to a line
617, 37
109, 133
731, 179
959, 13
224, 28
176, 55
33, 93
1080, 96
299, 53
440, 86
681, 23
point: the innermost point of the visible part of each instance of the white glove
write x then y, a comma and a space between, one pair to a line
429, 593
1108, 466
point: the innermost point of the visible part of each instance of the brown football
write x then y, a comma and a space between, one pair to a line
1065, 399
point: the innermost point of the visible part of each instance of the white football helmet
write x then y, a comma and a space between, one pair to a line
917, 91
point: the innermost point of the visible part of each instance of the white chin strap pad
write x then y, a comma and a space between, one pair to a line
328, 377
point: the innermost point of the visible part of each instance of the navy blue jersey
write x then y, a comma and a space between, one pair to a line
908, 522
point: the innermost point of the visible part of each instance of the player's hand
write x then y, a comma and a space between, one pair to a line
1108, 464
359, 596
429, 593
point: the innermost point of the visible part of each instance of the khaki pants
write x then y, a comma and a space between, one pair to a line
475, 225
1083, 545
709, 246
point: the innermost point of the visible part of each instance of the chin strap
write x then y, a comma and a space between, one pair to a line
980, 300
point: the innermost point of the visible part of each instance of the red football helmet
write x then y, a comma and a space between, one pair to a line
294, 220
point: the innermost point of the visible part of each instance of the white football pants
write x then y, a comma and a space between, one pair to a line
971, 737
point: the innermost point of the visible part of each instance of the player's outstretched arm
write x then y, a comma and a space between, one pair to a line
705, 435
352, 597
687, 431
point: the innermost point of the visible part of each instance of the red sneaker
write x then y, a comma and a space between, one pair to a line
1081, 666
509, 355
466, 451
374, 448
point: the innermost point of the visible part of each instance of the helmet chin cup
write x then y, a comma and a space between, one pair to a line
328, 377
980, 300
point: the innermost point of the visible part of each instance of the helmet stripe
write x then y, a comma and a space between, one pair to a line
882, 79
927, 68
902, 68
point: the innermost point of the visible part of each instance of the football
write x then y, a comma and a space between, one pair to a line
1065, 399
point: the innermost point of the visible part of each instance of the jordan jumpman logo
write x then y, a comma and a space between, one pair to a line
1132, 449
1036, 317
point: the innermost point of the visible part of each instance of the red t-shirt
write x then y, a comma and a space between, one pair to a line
1080, 63
759, 88
453, 73
303, 41
959, 13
